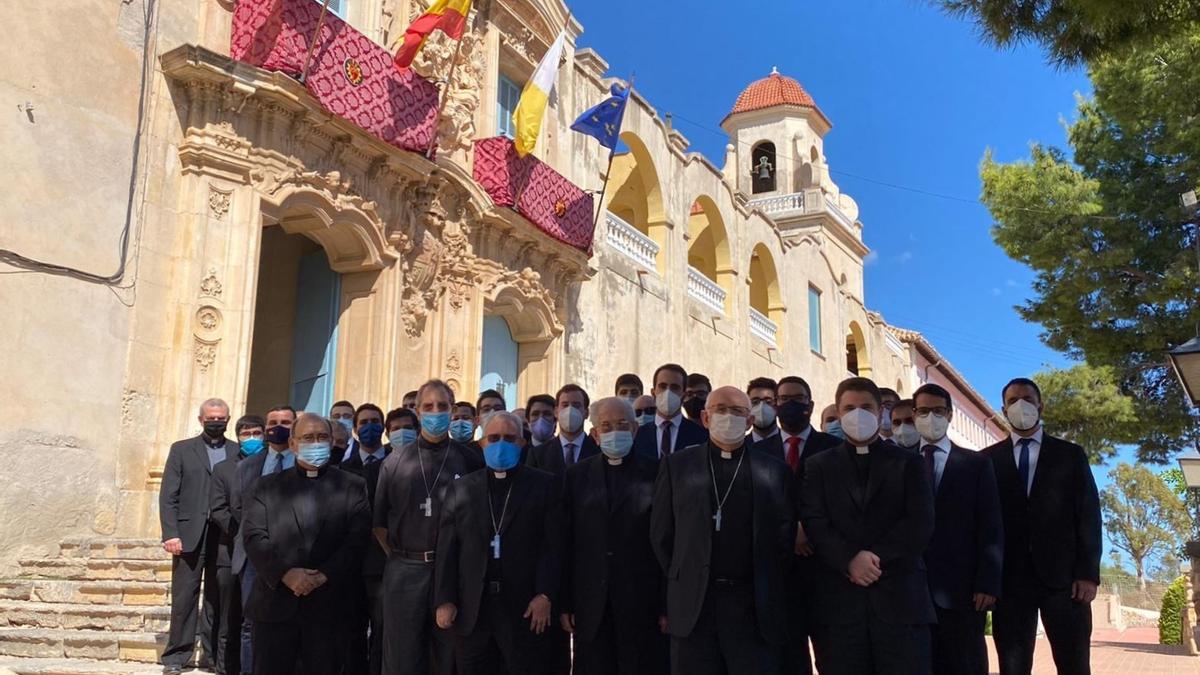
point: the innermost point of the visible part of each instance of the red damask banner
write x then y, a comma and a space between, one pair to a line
554, 204
350, 75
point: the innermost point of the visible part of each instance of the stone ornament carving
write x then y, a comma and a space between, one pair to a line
205, 354
218, 202
330, 184
210, 286
439, 57
453, 363
442, 263
208, 322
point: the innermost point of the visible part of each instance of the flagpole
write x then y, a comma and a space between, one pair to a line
612, 154
313, 43
437, 121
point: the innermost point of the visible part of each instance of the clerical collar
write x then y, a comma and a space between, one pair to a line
862, 449
213, 443
614, 461
311, 473
723, 453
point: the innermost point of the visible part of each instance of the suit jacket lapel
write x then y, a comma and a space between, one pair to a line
1044, 457
760, 478
596, 481
201, 450
879, 470
1006, 467
950, 470
850, 476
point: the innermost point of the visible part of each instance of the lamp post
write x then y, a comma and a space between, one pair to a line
1189, 465
1185, 359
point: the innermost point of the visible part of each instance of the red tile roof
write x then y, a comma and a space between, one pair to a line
773, 90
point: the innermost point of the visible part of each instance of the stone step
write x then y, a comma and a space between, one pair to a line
56, 666
112, 646
104, 592
96, 569
113, 549
25, 614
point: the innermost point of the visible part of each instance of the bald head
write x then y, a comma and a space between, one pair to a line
612, 414
502, 425
727, 417
727, 396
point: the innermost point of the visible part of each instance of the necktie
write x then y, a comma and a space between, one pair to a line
569, 455
1023, 463
929, 466
665, 447
278, 463
371, 459
793, 452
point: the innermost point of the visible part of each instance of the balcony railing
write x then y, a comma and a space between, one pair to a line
762, 327
781, 204
705, 290
629, 241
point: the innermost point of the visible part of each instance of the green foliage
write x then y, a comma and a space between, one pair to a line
1174, 479
1085, 406
1170, 618
1112, 249
1143, 517
1073, 31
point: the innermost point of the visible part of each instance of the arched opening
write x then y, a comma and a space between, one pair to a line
515, 354
763, 167
637, 204
710, 274
809, 174
858, 361
766, 299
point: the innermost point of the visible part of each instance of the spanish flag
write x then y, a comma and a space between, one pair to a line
527, 118
448, 15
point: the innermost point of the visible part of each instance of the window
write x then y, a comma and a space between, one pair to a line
336, 6
814, 319
507, 96
762, 167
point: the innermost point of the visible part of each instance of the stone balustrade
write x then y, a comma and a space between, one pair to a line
628, 240
706, 290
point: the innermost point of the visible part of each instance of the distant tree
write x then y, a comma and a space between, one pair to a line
1074, 31
1174, 479
1143, 516
1085, 406
1113, 250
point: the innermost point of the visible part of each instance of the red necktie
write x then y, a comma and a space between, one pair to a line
793, 452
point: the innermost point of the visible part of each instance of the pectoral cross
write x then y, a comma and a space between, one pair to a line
496, 547
717, 520
427, 507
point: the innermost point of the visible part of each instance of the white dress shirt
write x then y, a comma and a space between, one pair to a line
658, 431
756, 437
1035, 449
577, 442
289, 460
379, 454
939, 457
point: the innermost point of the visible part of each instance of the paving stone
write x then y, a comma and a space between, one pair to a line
16, 613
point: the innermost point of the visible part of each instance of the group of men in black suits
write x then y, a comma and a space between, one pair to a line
727, 540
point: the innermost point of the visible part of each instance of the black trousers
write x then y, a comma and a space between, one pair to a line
410, 638
364, 637
959, 647
797, 660
229, 646
188, 572
297, 647
726, 639
558, 645
501, 642
627, 646
1068, 628
873, 647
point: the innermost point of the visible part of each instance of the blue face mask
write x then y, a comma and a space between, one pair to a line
252, 446
542, 429
501, 455
616, 444
346, 422
435, 424
314, 454
370, 434
462, 430
402, 437
834, 428
645, 419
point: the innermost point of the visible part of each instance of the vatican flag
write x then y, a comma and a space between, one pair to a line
527, 118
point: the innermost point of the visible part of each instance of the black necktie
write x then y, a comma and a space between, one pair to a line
929, 465
665, 448
570, 454
371, 459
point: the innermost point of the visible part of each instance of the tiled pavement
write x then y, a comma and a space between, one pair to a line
1133, 652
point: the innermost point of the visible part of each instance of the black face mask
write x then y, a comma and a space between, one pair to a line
693, 406
278, 434
215, 429
794, 415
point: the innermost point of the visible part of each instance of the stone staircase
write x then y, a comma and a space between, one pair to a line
100, 606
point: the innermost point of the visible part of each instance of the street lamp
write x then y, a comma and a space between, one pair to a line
1185, 360
1189, 464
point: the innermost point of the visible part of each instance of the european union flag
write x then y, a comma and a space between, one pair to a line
603, 122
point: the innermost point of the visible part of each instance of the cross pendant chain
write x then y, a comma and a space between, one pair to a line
496, 546
717, 520
729, 488
427, 507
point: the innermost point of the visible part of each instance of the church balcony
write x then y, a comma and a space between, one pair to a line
781, 204
705, 290
763, 328
809, 205
630, 241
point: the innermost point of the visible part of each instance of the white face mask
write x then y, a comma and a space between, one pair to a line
906, 435
570, 420
860, 425
667, 402
932, 427
728, 429
1023, 415
764, 416
885, 422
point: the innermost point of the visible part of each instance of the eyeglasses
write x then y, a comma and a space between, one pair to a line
940, 411
731, 410
644, 411
314, 438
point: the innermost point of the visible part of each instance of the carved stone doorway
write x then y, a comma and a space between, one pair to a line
531, 330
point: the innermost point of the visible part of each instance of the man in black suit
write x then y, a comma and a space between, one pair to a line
364, 643
613, 584
1052, 539
723, 527
462, 423
695, 393
796, 442
499, 558
868, 511
890, 398
413, 486
304, 532
541, 412
629, 387
761, 391
904, 426
225, 509
571, 445
671, 430
183, 508
964, 557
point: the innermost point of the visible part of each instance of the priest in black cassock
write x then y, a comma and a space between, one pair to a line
499, 558
723, 529
304, 530
613, 585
